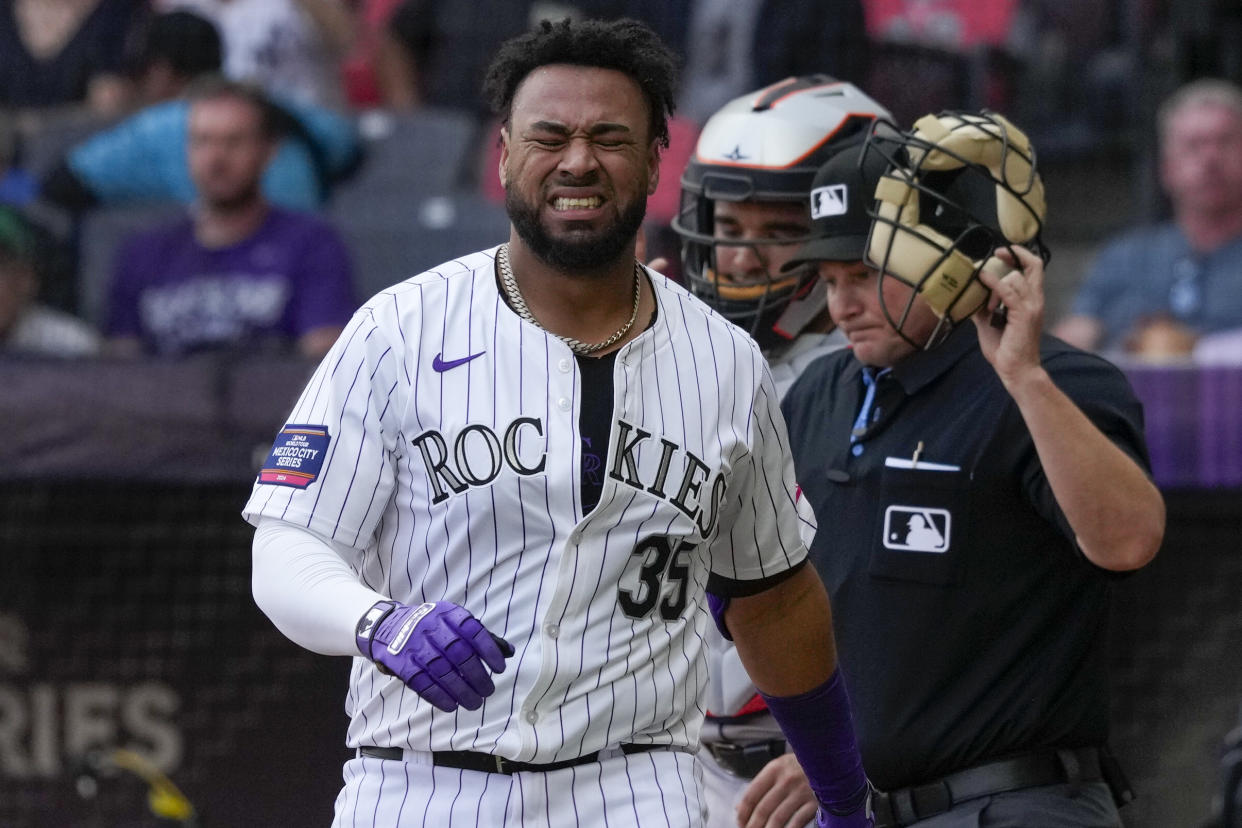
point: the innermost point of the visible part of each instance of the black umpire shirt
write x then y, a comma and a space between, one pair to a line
969, 625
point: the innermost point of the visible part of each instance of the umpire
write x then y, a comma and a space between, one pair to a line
984, 483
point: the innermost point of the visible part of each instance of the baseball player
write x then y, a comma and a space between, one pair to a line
987, 484
744, 214
508, 486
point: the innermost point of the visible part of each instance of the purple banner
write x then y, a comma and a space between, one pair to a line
1194, 424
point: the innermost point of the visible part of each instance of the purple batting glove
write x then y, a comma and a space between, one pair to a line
438, 649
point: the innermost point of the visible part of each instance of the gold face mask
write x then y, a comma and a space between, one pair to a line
963, 185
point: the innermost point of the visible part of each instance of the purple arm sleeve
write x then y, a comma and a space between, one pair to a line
819, 728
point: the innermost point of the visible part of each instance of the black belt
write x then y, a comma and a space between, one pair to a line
490, 763
745, 760
1030, 770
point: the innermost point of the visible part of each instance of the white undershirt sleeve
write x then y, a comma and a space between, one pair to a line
303, 584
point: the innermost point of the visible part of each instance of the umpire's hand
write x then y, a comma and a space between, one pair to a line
1013, 350
438, 649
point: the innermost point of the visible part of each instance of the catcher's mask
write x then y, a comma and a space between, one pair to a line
957, 187
764, 146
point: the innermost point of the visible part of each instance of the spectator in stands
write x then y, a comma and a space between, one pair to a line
732, 46
359, 67
27, 327
175, 48
291, 48
237, 272
55, 270
143, 158
59, 52
670, 19
946, 54
1155, 290
17, 186
720, 66
803, 37
435, 52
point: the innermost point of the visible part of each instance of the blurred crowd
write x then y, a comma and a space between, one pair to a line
186, 175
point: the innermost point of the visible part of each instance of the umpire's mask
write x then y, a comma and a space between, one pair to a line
957, 187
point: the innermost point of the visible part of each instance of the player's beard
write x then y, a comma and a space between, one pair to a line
585, 251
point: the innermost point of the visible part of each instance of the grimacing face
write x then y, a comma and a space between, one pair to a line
578, 164
854, 301
759, 228
227, 151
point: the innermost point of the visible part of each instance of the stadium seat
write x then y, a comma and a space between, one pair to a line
393, 237
45, 137
420, 153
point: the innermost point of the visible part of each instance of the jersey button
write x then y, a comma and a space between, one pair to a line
563, 403
576, 536
553, 630
531, 717
564, 365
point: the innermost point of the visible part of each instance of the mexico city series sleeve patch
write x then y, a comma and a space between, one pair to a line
296, 457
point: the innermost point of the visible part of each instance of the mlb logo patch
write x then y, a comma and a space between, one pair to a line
917, 529
832, 200
297, 456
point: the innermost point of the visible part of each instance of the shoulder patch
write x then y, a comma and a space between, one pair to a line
296, 457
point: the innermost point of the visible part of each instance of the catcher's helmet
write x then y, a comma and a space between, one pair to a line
956, 187
764, 147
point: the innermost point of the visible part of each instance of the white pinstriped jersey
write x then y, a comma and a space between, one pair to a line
730, 691
730, 688
450, 460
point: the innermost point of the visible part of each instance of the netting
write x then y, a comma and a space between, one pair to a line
126, 621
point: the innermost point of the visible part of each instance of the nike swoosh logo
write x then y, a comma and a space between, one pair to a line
440, 365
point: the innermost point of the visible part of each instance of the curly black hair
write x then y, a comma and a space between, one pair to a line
625, 45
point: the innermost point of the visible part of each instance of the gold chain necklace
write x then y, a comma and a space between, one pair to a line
520, 308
